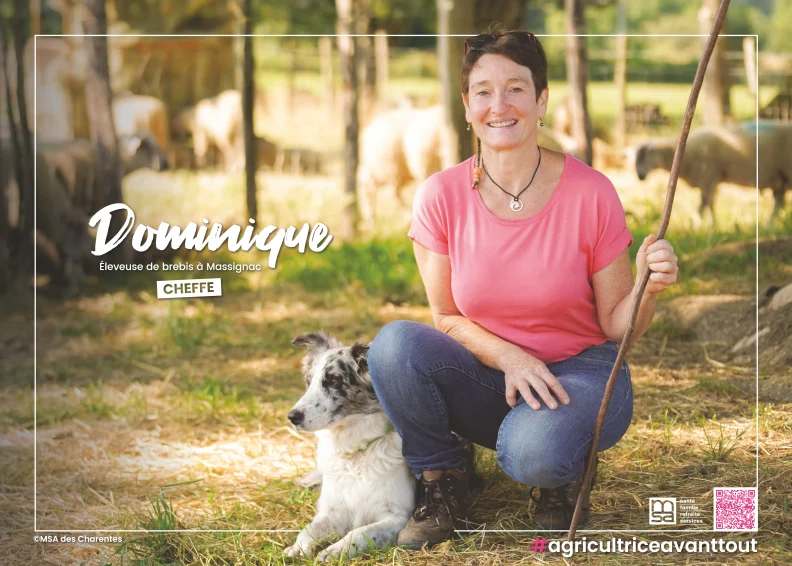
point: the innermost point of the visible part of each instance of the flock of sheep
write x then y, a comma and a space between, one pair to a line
398, 148
66, 171
405, 146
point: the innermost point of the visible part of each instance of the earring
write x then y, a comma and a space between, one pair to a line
541, 122
468, 128
477, 169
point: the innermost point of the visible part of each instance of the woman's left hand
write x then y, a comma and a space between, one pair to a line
662, 263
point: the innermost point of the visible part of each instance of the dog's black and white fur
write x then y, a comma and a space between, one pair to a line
367, 493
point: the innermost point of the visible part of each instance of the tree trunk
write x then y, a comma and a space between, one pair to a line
35, 17
577, 75
347, 17
26, 190
326, 67
749, 59
16, 143
506, 12
5, 230
6, 245
620, 74
247, 113
291, 73
367, 77
715, 89
100, 117
381, 63
454, 17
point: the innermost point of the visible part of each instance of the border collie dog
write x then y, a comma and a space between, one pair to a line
367, 492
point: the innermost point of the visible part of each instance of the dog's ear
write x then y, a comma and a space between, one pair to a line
360, 354
312, 341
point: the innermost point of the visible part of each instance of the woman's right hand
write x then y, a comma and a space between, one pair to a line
523, 372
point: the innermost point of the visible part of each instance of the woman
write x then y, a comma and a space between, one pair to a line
524, 253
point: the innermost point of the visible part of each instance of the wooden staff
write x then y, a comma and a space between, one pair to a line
644, 278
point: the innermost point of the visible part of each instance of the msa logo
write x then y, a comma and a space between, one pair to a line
662, 511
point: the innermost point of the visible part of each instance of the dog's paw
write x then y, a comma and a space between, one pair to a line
298, 551
311, 480
326, 556
332, 552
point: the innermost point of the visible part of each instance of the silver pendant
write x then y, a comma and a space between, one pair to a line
516, 205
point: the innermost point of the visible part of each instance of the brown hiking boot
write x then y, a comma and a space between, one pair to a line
442, 505
556, 506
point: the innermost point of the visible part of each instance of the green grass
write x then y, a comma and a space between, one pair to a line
672, 98
379, 267
155, 548
718, 386
720, 447
219, 398
186, 333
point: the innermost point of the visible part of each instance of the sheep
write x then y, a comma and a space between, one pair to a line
216, 122
134, 113
75, 164
400, 146
726, 154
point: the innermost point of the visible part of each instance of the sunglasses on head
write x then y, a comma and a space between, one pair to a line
482, 40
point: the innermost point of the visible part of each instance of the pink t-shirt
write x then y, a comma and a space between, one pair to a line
528, 280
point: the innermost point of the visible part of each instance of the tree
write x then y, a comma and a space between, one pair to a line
23, 140
100, 117
16, 172
454, 18
5, 232
715, 89
577, 74
348, 14
247, 112
620, 74
505, 12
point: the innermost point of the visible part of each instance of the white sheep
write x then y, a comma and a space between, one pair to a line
726, 154
382, 161
134, 113
402, 146
217, 122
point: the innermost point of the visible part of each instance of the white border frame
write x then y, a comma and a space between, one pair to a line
35, 273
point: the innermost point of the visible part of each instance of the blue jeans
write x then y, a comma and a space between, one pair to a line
430, 385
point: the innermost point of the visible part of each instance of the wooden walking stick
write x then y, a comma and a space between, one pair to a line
644, 277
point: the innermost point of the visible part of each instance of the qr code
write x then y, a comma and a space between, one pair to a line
735, 509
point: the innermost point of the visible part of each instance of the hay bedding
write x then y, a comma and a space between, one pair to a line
725, 328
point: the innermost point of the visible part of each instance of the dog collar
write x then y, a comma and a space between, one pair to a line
388, 428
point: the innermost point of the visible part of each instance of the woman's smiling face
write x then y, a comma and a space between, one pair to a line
501, 103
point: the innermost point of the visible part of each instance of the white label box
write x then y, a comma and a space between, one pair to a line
180, 288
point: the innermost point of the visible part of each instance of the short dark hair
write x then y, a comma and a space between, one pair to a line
520, 46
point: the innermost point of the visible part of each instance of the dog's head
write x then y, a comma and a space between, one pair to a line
337, 381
